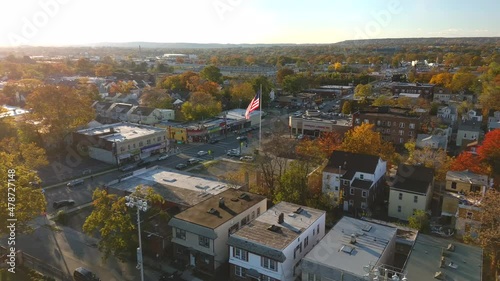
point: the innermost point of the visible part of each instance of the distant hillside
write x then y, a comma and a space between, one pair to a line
156, 45
436, 41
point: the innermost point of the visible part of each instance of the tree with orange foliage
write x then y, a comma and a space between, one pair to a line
328, 142
468, 161
364, 140
489, 151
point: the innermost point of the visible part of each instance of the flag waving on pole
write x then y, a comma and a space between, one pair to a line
254, 105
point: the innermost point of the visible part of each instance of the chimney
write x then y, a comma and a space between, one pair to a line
221, 202
281, 218
353, 238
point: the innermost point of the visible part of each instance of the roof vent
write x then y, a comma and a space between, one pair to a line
292, 215
367, 227
281, 218
222, 204
347, 249
274, 228
212, 211
299, 210
353, 239
244, 196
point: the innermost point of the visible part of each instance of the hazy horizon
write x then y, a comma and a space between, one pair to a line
73, 23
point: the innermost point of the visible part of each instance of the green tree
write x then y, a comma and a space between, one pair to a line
211, 73
419, 221
201, 106
295, 83
267, 86
363, 91
293, 184
383, 101
115, 223
347, 107
29, 202
463, 81
242, 94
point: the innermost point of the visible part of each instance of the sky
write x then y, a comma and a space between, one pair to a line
73, 22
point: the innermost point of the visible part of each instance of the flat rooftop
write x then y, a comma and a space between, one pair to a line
296, 219
464, 263
181, 188
335, 250
467, 177
121, 131
209, 214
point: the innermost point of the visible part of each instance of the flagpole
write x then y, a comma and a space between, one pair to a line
260, 123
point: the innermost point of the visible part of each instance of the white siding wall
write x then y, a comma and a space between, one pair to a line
102, 155
285, 269
465, 135
221, 247
331, 184
380, 170
407, 204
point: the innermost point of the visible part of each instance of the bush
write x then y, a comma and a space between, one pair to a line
61, 217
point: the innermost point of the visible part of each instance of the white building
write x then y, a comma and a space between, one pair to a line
468, 131
411, 190
239, 114
272, 246
200, 233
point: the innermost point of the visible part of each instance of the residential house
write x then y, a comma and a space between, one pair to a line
272, 246
494, 120
119, 111
442, 95
447, 114
351, 250
431, 141
149, 115
396, 125
458, 205
435, 258
355, 177
425, 90
411, 190
473, 115
468, 131
200, 233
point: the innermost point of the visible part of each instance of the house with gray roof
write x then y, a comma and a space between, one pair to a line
410, 190
200, 233
272, 246
434, 258
432, 141
352, 250
468, 131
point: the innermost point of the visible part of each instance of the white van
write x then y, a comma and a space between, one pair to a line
75, 182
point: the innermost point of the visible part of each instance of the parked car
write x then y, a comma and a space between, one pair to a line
86, 172
180, 166
234, 153
83, 274
75, 182
63, 203
246, 158
163, 157
242, 138
128, 168
193, 161
202, 153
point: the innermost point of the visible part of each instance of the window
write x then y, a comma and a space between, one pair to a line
122, 149
366, 121
314, 231
258, 211
180, 233
401, 132
361, 176
269, 263
357, 121
141, 144
411, 126
410, 133
128, 147
415, 199
253, 215
351, 191
363, 194
133, 145
400, 196
317, 229
351, 202
313, 277
399, 209
204, 241
267, 278
148, 141
345, 182
327, 177
363, 205
232, 229
158, 139
388, 123
240, 271
401, 140
244, 221
454, 185
306, 241
401, 125
240, 254
468, 215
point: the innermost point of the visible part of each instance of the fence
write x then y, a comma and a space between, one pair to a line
40, 266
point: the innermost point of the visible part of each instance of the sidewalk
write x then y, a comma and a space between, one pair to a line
163, 266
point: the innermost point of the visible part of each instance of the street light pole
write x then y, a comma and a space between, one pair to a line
139, 204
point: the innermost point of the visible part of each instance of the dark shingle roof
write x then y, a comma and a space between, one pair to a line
413, 178
353, 162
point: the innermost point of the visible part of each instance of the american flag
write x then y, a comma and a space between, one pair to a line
254, 105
